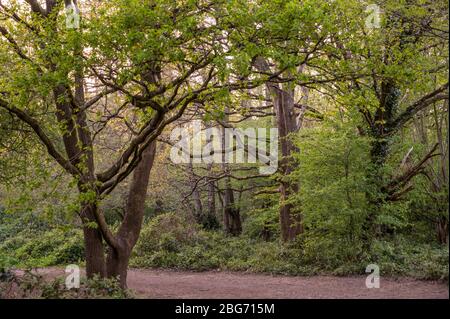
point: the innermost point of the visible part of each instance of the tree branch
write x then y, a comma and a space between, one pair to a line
400, 181
22, 115
36, 7
419, 105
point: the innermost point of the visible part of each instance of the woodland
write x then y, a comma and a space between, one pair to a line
91, 91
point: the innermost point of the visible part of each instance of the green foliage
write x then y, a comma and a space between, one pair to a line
40, 246
94, 288
210, 250
262, 222
401, 257
55, 247
332, 175
166, 232
33, 285
360, 84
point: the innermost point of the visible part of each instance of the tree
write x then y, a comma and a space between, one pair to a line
303, 30
144, 55
389, 89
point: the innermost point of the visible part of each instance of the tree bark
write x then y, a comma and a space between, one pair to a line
211, 218
231, 215
284, 106
128, 233
93, 244
442, 230
198, 207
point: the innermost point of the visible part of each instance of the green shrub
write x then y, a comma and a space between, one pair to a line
32, 285
262, 223
423, 261
54, 247
214, 250
166, 232
95, 288
201, 250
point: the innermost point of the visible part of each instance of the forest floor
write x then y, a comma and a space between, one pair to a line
148, 283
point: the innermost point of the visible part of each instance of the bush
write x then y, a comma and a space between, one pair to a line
28, 240
95, 288
263, 223
166, 232
13, 224
32, 285
214, 250
422, 261
199, 250
54, 247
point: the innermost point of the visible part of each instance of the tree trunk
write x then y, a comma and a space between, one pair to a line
93, 245
379, 152
231, 215
211, 199
117, 263
284, 107
75, 149
290, 222
198, 207
442, 230
128, 233
376, 193
211, 221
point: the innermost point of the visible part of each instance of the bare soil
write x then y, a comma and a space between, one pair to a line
147, 283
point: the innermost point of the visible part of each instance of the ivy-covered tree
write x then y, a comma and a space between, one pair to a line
396, 77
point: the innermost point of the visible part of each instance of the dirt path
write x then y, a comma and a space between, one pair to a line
205, 285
